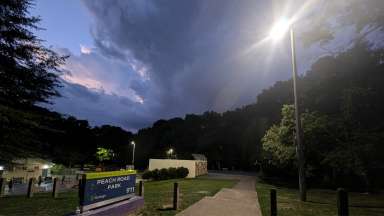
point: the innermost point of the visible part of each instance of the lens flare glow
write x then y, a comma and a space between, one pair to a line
279, 29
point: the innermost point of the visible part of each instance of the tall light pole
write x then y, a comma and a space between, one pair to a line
299, 130
277, 33
133, 152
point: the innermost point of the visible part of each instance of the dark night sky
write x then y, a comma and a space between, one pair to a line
135, 61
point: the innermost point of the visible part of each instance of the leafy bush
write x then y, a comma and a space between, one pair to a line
172, 172
182, 172
163, 174
57, 169
155, 174
147, 175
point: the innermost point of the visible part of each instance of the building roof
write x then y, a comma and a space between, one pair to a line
199, 157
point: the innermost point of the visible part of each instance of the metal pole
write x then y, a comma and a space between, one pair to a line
273, 202
342, 202
141, 188
299, 132
176, 192
55, 189
133, 155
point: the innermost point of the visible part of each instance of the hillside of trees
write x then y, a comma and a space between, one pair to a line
341, 97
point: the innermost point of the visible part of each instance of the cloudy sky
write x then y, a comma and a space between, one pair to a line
133, 62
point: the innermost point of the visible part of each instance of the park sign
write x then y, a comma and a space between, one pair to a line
98, 189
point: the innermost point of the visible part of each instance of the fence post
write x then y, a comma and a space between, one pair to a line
10, 184
55, 189
39, 180
342, 202
2, 186
176, 192
63, 179
30, 187
82, 181
273, 203
141, 188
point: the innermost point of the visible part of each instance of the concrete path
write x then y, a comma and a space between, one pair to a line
240, 200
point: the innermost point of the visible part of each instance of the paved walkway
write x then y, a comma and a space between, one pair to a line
240, 200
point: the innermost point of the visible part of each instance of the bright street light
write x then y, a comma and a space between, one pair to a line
170, 152
279, 29
133, 152
277, 32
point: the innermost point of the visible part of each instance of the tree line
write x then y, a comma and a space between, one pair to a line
341, 97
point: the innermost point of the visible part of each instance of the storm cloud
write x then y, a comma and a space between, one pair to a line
160, 59
193, 50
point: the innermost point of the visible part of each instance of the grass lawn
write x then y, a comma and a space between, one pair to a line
157, 194
40, 204
160, 193
320, 202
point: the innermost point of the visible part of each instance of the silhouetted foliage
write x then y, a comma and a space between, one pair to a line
343, 138
342, 101
365, 16
341, 95
28, 70
28, 75
164, 174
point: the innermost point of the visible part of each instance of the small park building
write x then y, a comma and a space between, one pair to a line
20, 170
196, 167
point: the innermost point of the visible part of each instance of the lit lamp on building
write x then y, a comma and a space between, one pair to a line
45, 168
1, 170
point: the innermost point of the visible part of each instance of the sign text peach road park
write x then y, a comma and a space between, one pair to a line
103, 188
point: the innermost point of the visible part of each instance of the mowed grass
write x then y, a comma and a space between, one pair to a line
157, 194
319, 202
40, 204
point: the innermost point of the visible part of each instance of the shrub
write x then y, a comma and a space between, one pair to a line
172, 173
155, 174
147, 175
182, 172
163, 174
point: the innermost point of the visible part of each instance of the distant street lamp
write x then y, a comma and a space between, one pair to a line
277, 32
133, 152
170, 152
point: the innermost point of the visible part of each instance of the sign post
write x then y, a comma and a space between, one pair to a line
99, 189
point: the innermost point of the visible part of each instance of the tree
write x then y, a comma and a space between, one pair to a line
28, 70
116, 139
365, 16
103, 154
279, 141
